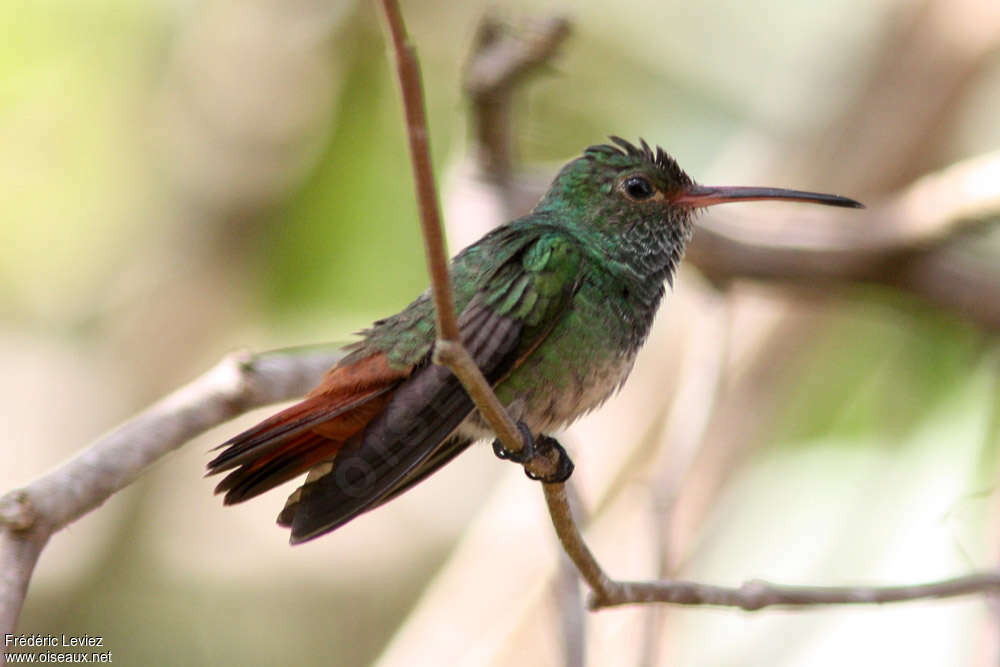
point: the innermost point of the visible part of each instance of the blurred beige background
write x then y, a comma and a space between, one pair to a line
181, 179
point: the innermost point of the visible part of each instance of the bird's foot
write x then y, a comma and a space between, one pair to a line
544, 446
527, 448
550, 448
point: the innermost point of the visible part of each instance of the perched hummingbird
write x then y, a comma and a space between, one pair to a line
553, 308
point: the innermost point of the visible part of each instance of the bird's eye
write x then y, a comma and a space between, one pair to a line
638, 188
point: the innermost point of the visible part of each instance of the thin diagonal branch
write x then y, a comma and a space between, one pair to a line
601, 585
408, 70
448, 350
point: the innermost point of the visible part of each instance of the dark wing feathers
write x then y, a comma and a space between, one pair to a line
444, 453
405, 442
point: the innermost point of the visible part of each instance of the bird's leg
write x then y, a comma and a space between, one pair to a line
543, 445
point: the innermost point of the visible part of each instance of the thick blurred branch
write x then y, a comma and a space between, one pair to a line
31, 514
906, 242
448, 349
895, 126
500, 61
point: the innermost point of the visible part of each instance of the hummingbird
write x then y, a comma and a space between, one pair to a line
553, 307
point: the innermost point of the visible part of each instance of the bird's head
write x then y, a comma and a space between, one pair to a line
635, 195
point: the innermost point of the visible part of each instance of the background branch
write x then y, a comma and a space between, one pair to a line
911, 242
31, 514
500, 60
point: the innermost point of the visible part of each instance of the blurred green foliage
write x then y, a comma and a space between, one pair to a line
346, 240
878, 369
71, 78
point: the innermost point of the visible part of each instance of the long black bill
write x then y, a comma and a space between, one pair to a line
699, 196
